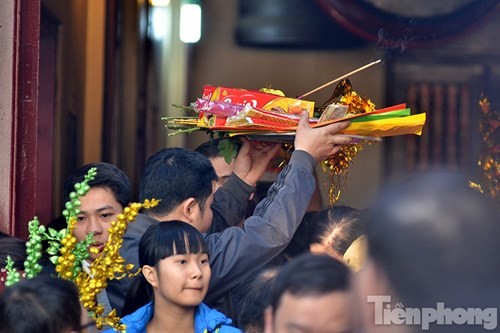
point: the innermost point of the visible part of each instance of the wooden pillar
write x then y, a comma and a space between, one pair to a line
25, 117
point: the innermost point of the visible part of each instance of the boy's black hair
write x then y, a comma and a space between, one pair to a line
173, 175
108, 176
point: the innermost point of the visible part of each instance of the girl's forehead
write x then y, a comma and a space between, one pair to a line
185, 243
187, 252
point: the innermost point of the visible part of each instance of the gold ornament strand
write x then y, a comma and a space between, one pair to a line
490, 153
66, 260
337, 166
110, 265
356, 103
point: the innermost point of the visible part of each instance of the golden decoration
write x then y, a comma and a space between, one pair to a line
110, 265
66, 260
272, 91
490, 153
338, 164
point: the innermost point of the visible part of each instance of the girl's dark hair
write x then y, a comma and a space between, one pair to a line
161, 240
42, 304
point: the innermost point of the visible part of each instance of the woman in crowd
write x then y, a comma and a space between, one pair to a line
167, 296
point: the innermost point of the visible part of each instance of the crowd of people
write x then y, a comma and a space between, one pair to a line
422, 256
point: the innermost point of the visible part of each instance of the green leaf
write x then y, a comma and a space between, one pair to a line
53, 259
62, 233
54, 244
52, 232
53, 250
227, 149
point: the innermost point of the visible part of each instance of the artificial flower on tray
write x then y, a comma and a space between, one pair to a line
268, 115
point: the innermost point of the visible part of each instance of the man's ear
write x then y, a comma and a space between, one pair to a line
188, 209
268, 320
150, 275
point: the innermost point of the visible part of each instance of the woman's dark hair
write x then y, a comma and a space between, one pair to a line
42, 304
336, 227
161, 240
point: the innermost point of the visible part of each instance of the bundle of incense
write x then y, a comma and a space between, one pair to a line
340, 78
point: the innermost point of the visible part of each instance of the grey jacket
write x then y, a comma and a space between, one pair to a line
236, 252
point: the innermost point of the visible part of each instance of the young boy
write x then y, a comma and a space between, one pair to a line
110, 191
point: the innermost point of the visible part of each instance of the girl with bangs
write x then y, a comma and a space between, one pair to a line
168, 295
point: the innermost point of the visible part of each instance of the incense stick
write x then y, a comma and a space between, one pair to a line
340, 78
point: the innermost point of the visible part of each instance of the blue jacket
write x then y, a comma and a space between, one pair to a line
206, 320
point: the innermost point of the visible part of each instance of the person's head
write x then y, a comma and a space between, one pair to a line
210, 149
42, 304
184, 181
16, 249
431, 239
256, 297
110, 191
330, 231
334, 229
311, 293
173, 257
